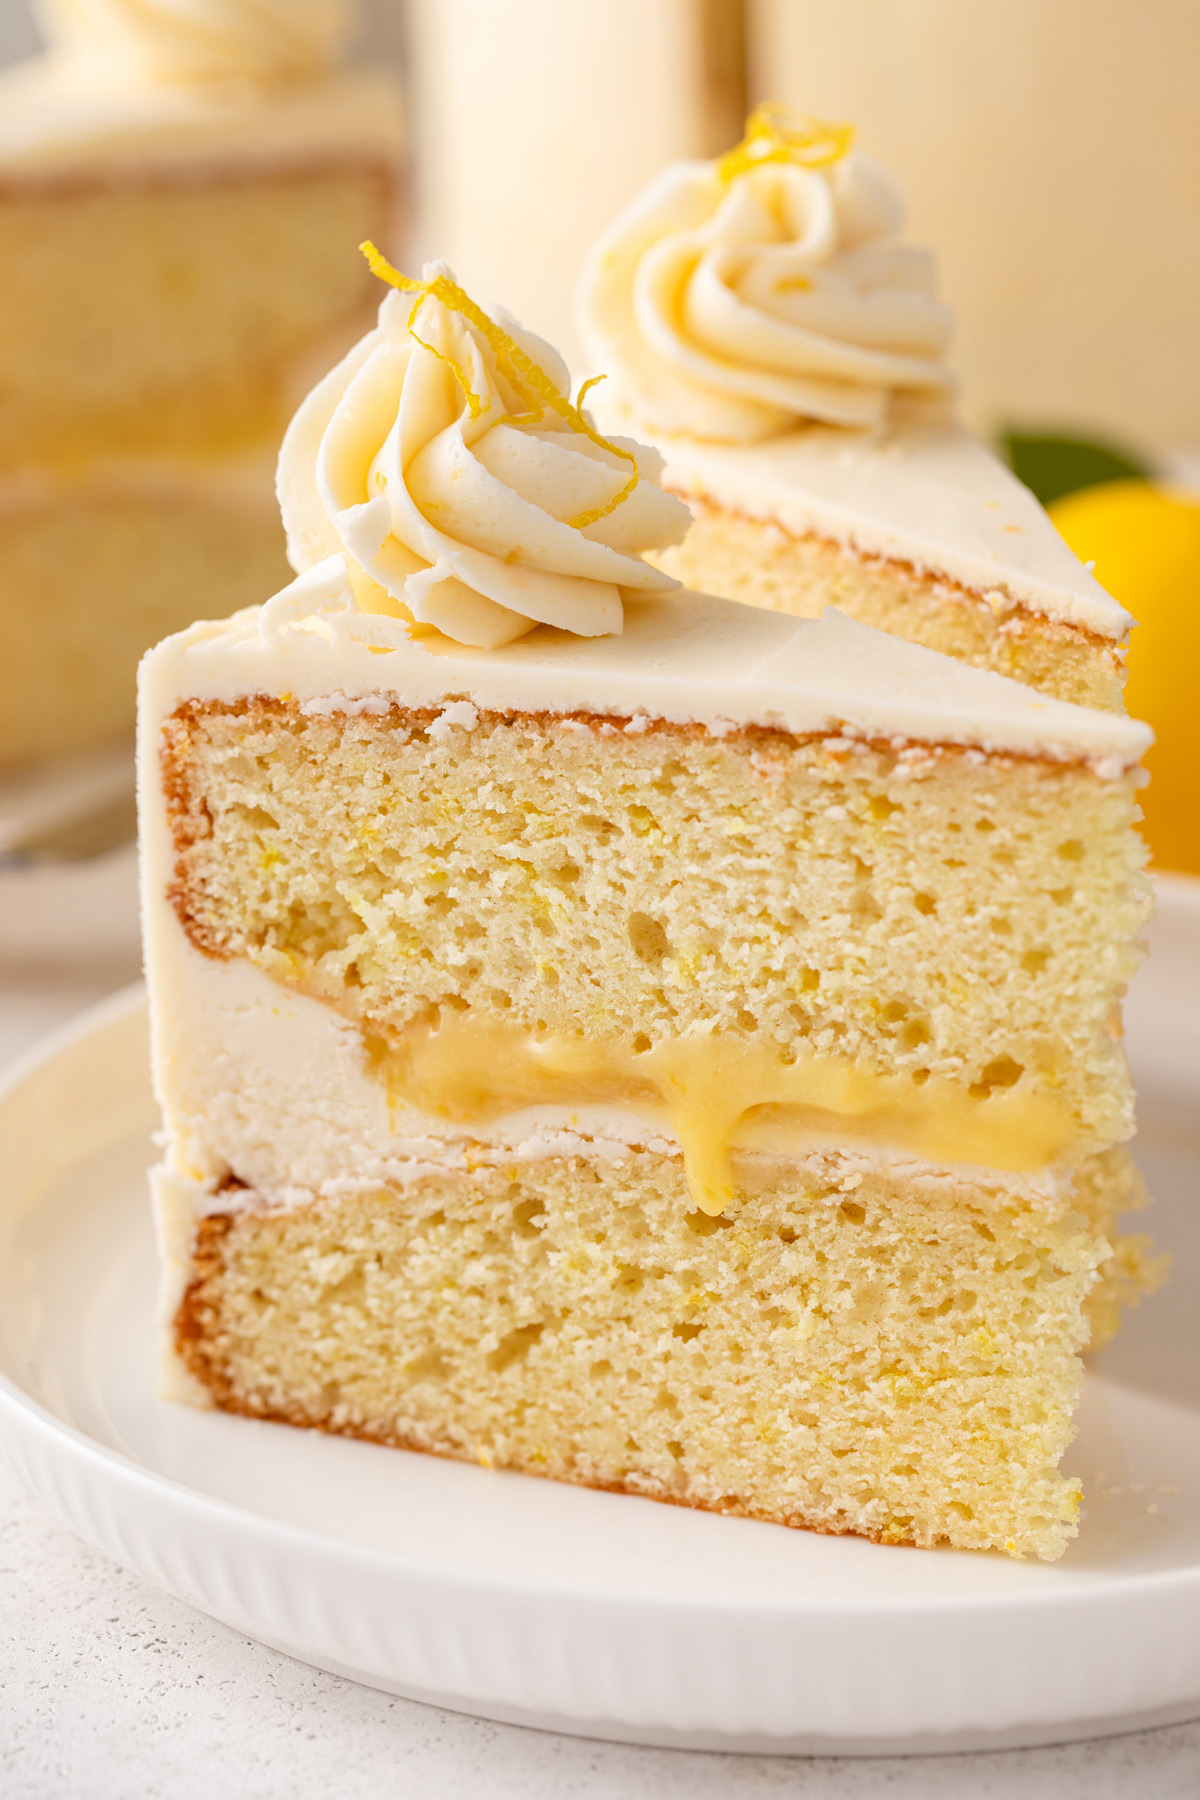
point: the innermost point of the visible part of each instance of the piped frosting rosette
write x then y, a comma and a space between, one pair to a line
444, 461
268, 42
733, 299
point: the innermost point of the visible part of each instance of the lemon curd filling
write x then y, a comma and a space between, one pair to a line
719, 1093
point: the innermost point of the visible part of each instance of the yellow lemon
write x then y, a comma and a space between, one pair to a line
1145, 543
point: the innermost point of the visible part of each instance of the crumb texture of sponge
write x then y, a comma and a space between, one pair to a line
845, 1351
914, 911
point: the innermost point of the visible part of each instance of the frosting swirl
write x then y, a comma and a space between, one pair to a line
733, 299
444, 461
271, 42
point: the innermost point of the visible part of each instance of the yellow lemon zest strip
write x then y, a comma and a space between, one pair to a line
775, 134
515, 364
586, 389
529, 418
474, 402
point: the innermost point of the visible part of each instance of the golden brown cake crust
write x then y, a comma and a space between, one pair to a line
193, 1338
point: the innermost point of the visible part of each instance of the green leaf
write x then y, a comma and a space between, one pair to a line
1054, 465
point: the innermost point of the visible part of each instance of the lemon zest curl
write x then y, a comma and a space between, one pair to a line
776, 134
517, 367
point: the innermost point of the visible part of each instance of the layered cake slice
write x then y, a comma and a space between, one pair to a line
181, 192
764, 324
615, 1034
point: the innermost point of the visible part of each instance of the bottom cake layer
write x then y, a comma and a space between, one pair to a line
852, 1348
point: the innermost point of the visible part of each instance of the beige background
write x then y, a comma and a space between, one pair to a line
1050, 150
1051, 154
534, 122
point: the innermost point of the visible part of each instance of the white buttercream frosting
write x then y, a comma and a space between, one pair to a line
684, 657
764, 327
243, 1048
268, 41
732, 299
443, 461
232, 1048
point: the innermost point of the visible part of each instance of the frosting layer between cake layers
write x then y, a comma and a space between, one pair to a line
244, 1048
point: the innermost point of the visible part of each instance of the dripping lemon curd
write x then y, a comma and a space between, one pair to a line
718, 1094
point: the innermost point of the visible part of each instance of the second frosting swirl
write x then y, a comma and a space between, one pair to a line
733, 299
460, 485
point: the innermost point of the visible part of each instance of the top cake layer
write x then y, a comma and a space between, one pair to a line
479, 712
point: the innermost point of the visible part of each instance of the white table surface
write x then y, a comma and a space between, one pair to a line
109, 1690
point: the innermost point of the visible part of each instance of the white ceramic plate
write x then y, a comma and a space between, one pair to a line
588, 1612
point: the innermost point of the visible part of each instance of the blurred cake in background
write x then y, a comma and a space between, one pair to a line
182, 188
764, 323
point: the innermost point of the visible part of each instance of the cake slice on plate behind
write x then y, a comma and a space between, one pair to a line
181, 191
761, 321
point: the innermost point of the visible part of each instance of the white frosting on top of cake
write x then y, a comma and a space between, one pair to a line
737, 297
683, 657
921, 491
127, 82
443, 459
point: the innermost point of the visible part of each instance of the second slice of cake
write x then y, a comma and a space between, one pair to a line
181, 191
764, 324
620, 1035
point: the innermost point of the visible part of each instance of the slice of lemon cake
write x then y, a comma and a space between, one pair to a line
611, 1033
764, 324
181, 191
